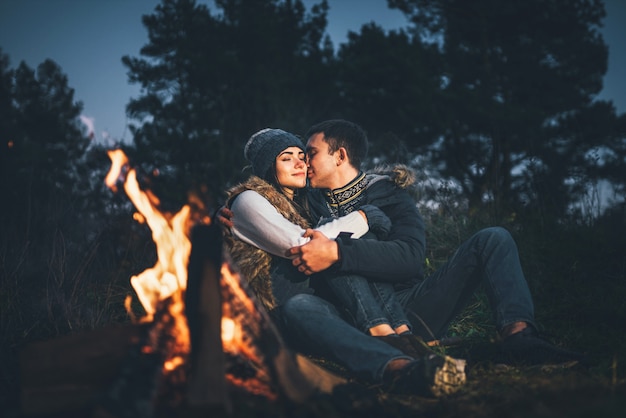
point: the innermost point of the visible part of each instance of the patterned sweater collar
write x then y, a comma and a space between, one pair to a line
346, 199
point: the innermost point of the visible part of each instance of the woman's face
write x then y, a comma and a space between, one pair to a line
291, 169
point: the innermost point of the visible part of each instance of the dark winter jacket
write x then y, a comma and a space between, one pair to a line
399, 258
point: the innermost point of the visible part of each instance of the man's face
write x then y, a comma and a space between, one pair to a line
322, 165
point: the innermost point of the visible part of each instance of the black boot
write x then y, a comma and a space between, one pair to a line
528, 348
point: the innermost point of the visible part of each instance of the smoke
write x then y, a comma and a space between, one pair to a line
89, 124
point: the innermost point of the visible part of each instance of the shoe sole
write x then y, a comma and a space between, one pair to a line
449, 377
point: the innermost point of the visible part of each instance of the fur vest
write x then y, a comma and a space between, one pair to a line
253, 263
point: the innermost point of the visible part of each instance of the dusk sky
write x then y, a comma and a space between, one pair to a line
87, 39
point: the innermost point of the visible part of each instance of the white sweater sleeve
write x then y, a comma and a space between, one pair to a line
258, 223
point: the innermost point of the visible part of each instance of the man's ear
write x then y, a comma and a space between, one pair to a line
342, 156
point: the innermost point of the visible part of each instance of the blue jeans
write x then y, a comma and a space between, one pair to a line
313, 325
368, 303
489, 258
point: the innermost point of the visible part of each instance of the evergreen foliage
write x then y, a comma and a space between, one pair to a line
520, 83
210, 81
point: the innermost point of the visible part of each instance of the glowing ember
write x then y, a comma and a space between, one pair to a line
228, 329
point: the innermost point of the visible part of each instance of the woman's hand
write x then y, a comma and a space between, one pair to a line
225, 217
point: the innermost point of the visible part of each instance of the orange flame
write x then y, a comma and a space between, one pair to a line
169, 274
168, 279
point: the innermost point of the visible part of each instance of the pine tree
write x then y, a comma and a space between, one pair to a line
519, 79
209, 81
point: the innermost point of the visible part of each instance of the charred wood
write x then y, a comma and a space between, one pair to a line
207, 388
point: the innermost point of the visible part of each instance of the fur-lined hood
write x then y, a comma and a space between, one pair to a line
402, 175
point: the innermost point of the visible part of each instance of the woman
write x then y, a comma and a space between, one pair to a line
270, 216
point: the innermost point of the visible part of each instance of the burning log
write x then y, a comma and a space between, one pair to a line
140, 379
207, 387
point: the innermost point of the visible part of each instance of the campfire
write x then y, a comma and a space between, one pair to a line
203, 338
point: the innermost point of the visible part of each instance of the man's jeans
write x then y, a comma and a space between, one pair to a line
368, 303
314, 326
490, 258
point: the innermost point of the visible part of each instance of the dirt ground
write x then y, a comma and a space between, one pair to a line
497, 390
491, 391
596, 390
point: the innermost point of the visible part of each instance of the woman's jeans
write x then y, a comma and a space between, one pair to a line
313, 325
368, 303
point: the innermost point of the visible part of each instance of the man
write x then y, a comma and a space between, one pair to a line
335, 149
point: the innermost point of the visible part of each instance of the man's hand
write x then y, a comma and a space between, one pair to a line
316, 255
225, 217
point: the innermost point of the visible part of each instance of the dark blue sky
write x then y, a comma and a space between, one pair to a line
87, 38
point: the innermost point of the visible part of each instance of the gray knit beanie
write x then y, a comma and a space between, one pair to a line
264, 146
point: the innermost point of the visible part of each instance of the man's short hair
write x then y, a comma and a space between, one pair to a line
342, 133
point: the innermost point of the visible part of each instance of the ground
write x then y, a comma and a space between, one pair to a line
595, 390
494, 390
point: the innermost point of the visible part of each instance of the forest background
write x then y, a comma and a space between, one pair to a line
493, 103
